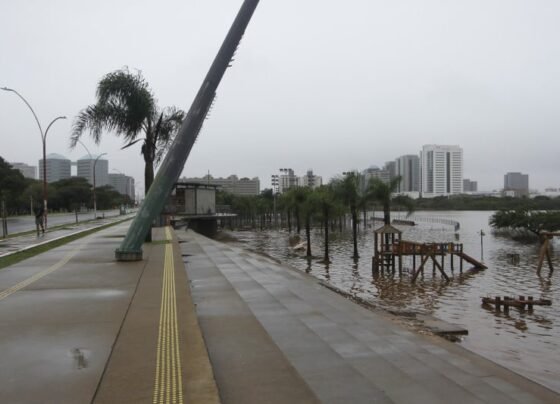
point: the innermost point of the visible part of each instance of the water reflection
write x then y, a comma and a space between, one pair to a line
526, 342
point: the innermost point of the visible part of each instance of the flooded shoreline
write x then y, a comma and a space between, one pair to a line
528, 343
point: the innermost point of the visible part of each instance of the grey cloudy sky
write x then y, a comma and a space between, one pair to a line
321, 84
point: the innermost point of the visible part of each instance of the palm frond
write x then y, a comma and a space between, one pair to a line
89, 119
168, 125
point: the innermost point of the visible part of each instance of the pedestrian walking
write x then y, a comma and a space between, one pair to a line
39, 220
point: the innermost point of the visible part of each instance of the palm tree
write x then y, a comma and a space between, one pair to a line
348, 192
296, 198
325, 201
126, 106
383, 193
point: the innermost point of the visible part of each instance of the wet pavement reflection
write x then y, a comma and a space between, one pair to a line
524, 341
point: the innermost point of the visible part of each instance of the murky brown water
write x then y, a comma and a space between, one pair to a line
528, 343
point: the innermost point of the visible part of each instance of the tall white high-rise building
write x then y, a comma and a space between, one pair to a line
85, 170
310, 180
122, 183
441, 170
58, 167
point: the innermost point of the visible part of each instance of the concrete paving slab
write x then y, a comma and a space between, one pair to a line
78, 327
342, 351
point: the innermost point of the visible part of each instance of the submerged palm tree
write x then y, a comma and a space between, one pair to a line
348, 192
126, 106
383, 192
325, 203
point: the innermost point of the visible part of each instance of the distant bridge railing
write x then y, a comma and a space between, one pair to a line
427, 219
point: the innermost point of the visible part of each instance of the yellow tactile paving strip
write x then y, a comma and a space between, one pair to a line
168, 375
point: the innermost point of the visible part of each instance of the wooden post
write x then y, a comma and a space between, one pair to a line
440, 268
542, 253
506, 306
522, 300
530, 305
420, 268
461, 259
452, 255
498, 302
549, 260
375, 254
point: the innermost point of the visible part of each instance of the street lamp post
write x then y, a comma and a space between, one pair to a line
44, 141
93, 174
94, 199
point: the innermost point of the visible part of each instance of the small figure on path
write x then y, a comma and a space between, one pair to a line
39, 219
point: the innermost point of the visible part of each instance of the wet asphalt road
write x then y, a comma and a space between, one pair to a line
18, 224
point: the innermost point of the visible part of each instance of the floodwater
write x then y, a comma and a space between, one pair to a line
528, 343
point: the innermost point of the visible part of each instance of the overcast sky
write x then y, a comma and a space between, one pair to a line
322, 84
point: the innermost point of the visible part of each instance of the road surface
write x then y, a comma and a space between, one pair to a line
19, 224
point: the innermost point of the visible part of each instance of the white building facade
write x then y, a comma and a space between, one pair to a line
123, 184
58, 168
85, 170
310, 180
231, 184
441, 170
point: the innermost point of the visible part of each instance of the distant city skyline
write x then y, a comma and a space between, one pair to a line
265, 181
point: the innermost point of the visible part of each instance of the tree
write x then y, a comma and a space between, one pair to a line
324, 200
126, 106
70, 193
525, 219
108, 197
12, 185
296, 197
347, 190
383, 193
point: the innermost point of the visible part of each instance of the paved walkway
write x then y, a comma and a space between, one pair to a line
274, 335
78, 327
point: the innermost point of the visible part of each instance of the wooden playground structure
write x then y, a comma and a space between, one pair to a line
390, 249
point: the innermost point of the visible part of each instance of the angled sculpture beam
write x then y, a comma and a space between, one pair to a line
172, 166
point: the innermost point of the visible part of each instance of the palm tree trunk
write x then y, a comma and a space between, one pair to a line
298, 225
386, 213
355, 231
148, 179
326, 224
148, 175
308, 233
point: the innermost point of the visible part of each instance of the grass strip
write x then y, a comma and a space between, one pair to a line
31, 252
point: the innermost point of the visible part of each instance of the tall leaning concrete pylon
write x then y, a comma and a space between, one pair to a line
172, 166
